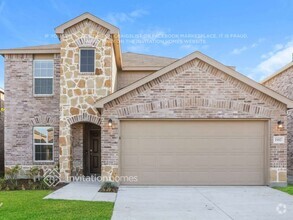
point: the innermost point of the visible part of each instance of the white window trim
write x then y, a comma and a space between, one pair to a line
34, 146
87, 48
40, 77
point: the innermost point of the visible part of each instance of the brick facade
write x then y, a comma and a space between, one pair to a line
195, 90
283, 84
24, 111
1, 133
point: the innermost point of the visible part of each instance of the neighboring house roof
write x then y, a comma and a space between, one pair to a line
135, 61
277, 73
2, 90
42, 49
100, 103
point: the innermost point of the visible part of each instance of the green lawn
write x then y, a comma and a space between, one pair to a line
288, 189
30, 205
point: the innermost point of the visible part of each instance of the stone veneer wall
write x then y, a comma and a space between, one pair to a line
77, 136
1, 133
194, 90
80, 91
283, 84
23, 111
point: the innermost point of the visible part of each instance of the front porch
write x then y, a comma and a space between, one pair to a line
86, 149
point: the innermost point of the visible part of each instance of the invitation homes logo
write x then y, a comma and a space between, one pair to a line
129, 179
52, 178
281, 208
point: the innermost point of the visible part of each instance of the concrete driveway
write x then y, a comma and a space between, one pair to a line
255, 202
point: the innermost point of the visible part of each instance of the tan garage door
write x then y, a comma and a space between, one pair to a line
193, 152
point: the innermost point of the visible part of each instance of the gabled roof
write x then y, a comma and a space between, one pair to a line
100, 103
277, 73
136, 61
42, 49
114, 31
60, 29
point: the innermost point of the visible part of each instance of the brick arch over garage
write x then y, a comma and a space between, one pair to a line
84, 118
194, 102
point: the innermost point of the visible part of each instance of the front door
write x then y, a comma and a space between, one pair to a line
95, 151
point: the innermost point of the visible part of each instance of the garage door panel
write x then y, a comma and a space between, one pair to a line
193, 145
130, 145
167, 145
201, 128
193, 152
236, 160
130, 161
143, 161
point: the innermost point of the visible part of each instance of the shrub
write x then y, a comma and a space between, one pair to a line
34, 173
109, 186
2, 183
13, 173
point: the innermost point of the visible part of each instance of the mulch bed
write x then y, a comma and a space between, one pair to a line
27, 184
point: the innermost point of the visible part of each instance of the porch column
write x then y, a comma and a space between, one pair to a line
109, 148
65, 151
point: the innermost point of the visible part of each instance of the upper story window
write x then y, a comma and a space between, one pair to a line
43, 143
87, 60
43, 77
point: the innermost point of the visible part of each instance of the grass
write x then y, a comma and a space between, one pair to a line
288, 189
30, 205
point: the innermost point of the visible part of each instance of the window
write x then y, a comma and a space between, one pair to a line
43, 143
87, 60
43, 77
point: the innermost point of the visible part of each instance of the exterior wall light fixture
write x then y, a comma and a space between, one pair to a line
110, 122
280, 124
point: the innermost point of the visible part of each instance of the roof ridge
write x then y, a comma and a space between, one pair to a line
60, 28
229, 71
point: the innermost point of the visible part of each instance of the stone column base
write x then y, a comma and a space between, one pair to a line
110, 172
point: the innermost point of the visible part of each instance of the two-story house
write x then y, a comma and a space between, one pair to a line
87, 107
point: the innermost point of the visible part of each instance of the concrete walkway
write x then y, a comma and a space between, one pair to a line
218, 203
85, 191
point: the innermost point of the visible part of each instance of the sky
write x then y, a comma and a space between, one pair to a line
255, 37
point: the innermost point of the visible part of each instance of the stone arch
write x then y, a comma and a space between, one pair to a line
84, 118
87, 41
79, 141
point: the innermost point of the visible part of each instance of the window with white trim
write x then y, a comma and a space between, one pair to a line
43, 77
43, 143
87, 60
